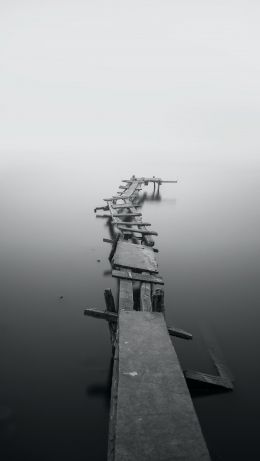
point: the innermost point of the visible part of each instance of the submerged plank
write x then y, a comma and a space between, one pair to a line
155, 417
207, 379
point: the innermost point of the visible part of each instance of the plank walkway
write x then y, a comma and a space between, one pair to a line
155, 417
152, 417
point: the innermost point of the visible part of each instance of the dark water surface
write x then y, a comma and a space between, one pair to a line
55, 363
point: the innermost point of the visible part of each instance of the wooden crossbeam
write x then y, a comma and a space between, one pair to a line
108, 240
179, 333
158, 299
140, 231
120, 197
111, 316
130, 275
105, 208
125, 215
132, 223
123, 205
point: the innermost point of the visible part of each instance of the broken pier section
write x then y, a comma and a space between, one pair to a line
152, 416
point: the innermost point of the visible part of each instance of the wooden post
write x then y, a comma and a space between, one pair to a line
110, 305
158, 300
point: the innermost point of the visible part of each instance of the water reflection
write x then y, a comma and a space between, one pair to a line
56, 365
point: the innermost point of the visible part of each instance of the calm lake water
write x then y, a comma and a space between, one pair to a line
55, 363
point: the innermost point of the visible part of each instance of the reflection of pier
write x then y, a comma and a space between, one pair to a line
151, 412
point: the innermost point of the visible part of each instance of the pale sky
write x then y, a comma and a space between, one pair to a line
179, 76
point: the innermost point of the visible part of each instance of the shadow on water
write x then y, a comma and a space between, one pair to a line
102, 391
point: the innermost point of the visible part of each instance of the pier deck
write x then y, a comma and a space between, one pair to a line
152, 417
155, 417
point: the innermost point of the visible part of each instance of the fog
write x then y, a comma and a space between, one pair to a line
92, 92
172, 78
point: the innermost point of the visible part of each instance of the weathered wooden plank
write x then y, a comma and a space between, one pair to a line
113, 409
116, 231
108, 240
179, 333
145, 297
114, 246
139, 231
109, 299
105, 208
126, 298
90, 312
135, 276
110, 305
148, 240
131, 190
122, 205
135, 256
158, 299
121, 197
123, 215
155, 417
132, 223
151, 180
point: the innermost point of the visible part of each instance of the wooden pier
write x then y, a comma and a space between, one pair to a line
152, 416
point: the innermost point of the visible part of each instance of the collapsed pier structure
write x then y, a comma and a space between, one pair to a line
152, 416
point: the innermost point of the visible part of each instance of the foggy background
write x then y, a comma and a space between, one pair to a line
92, 92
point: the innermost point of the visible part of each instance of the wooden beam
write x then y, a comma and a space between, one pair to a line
130, 275
114, 245
131, 223
140, 231
152, 180
105, 208
155, 416
179, 333
123, 205
110, 304
124, 215
126, 296
145, 297
158, 300
109, 299
108, 240
112, 317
